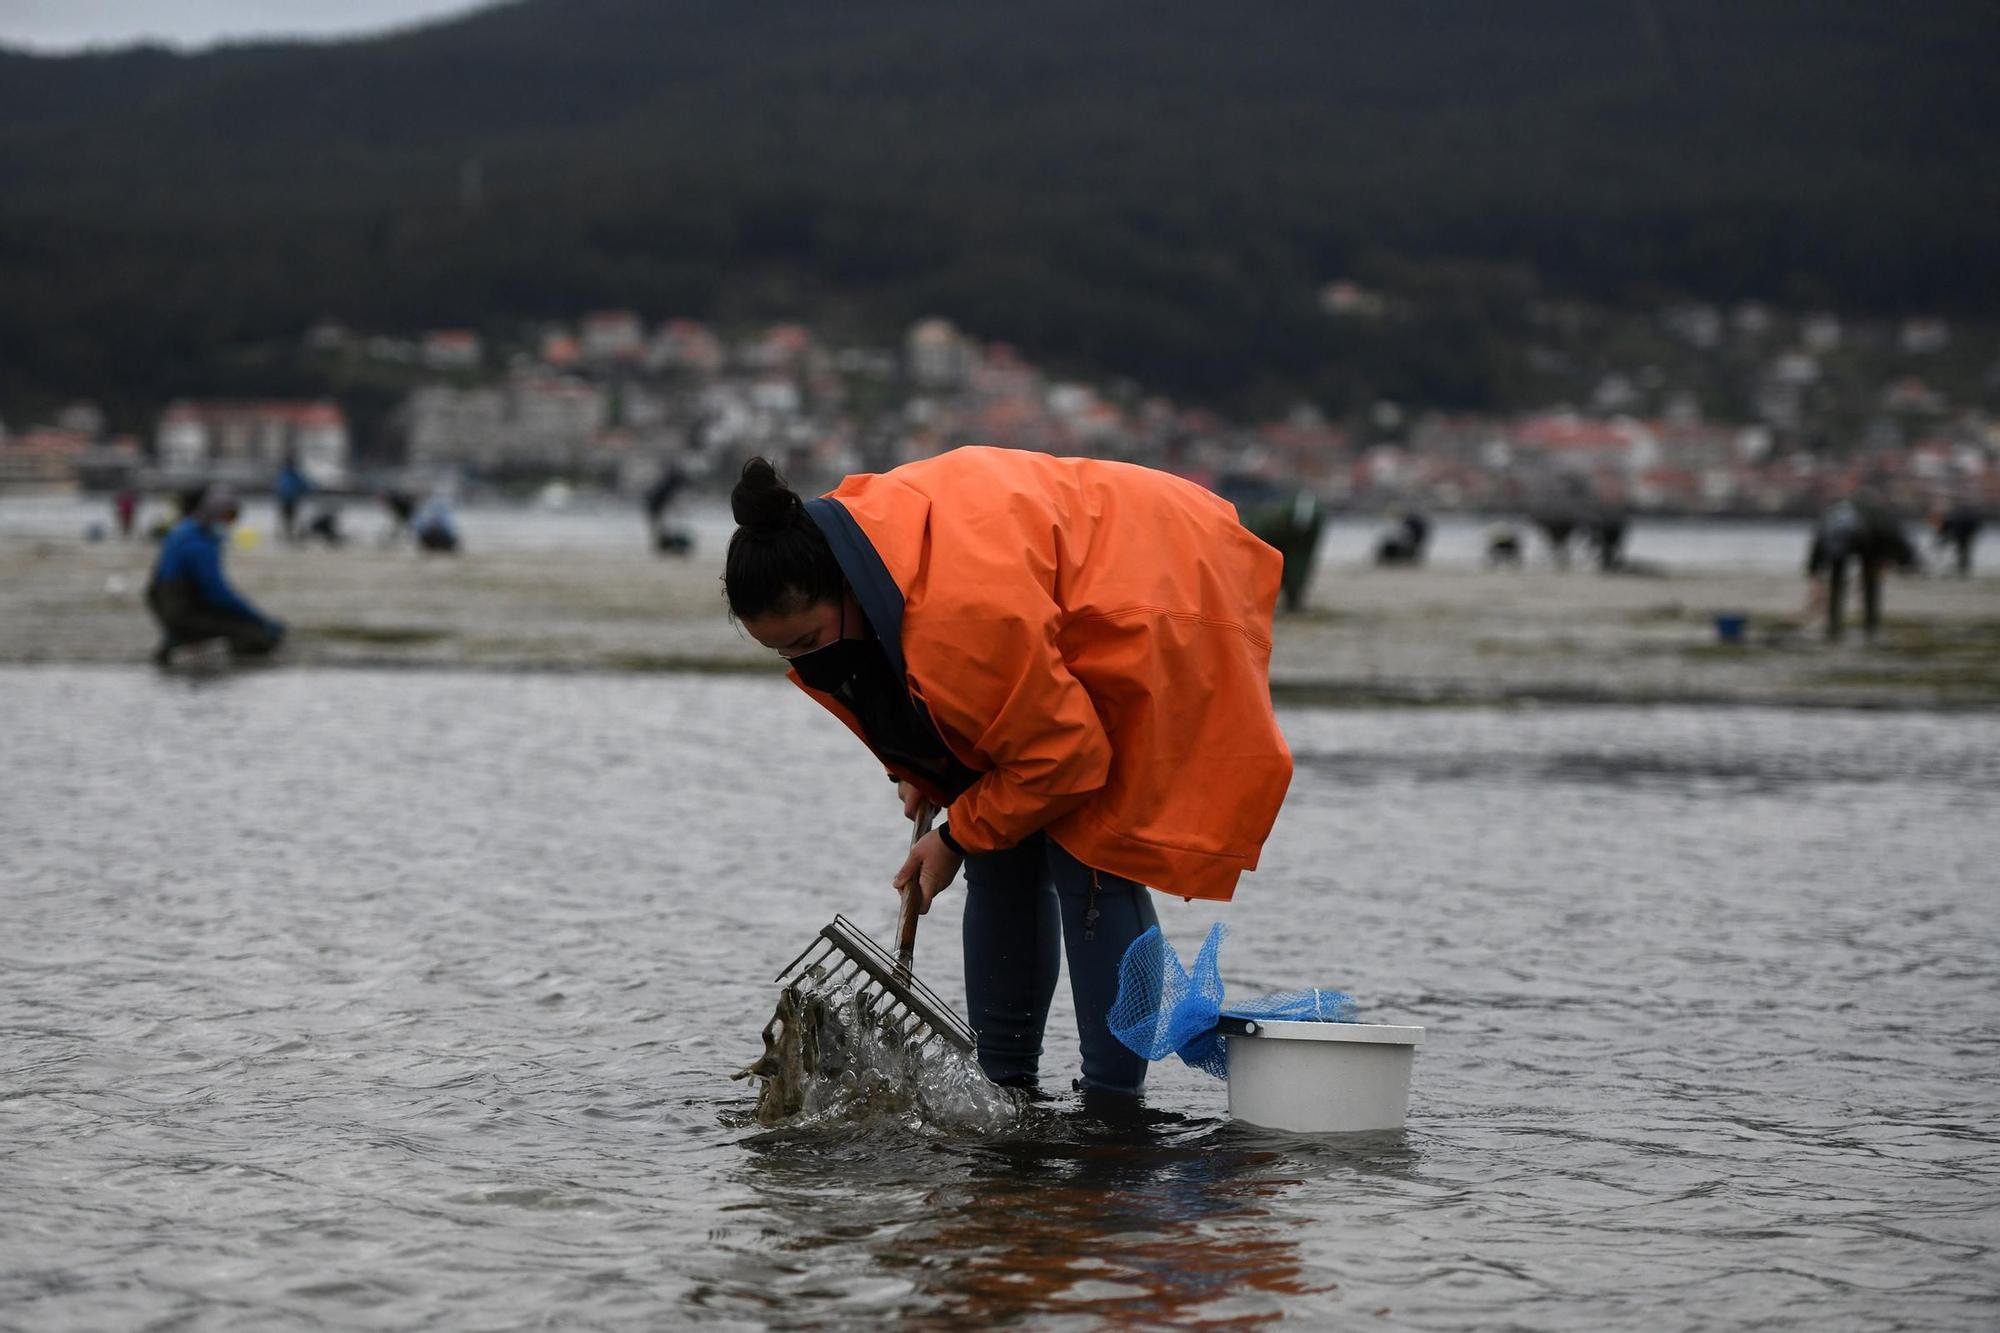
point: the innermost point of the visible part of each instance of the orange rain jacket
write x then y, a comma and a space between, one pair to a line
1094, 640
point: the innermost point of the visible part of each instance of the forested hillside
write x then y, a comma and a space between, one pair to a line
1151, 189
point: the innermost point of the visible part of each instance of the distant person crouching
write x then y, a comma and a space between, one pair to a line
325, 526
434, 528
192, 600
1403, 544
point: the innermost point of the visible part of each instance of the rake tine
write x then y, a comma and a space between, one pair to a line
786, 970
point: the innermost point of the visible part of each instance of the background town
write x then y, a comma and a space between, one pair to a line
1692, 408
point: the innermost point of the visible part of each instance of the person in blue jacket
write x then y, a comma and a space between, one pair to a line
292, 487
192, 600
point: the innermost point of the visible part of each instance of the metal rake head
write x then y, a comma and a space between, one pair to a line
887, 994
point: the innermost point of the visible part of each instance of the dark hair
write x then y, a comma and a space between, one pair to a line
778, 558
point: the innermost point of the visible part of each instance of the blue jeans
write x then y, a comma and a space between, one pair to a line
1025, 907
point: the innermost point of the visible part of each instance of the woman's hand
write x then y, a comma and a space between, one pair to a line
912, 799
931, 866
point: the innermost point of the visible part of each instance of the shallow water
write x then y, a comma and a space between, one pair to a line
385, 1001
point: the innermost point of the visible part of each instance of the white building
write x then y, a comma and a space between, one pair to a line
532, 421
937, 354
684, 344
612, 335
250, 441
453, 349
1925, 334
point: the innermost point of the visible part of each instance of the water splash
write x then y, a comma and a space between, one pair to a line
830, 1060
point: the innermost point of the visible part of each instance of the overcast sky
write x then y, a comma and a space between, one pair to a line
72, 25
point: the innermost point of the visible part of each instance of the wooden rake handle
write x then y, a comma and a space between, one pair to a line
913, 894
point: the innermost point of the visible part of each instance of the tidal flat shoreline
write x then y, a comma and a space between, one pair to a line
1437, 636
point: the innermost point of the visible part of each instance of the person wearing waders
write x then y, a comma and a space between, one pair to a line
1071, 659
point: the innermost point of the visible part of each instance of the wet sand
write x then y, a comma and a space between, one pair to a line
1429, 636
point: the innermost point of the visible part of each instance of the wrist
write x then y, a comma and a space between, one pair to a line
944, 835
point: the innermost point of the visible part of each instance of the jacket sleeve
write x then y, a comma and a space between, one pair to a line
205, 565
1003, 690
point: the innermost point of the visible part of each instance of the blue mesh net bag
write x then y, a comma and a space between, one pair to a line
1164, 1009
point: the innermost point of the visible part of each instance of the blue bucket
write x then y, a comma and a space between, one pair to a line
1729, 626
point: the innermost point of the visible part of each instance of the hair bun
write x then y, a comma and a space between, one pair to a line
762, 502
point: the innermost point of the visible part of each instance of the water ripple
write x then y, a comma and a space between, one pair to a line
368, 1001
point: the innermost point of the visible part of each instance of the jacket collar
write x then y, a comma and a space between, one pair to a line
881, 600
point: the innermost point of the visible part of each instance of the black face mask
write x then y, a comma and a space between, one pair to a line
858, 674
828, 668
831, 665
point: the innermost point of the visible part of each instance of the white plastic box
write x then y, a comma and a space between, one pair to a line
1321, 1078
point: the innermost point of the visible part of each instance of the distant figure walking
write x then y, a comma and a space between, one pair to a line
659, 496
1607, 534
402, 506
1862, 534
1557, 527
292, 488
192, 600
1958, 527
125, 505
1404, 543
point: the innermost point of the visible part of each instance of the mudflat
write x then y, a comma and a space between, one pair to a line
1435, 635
